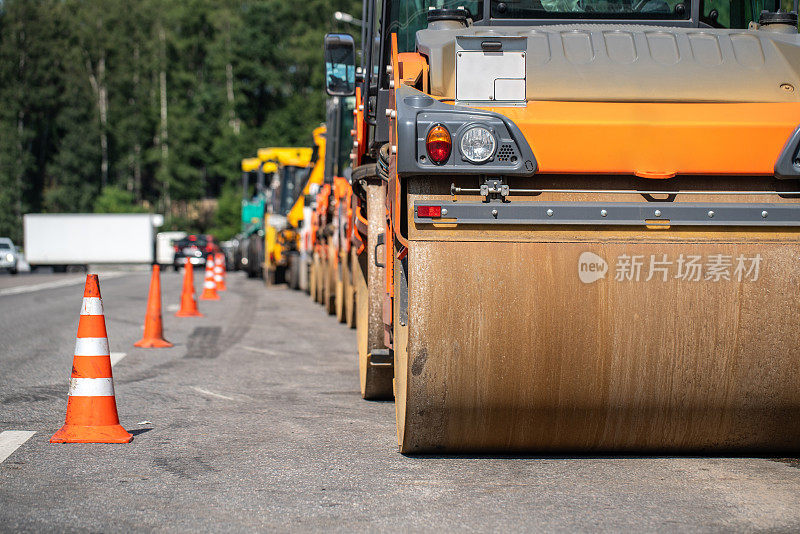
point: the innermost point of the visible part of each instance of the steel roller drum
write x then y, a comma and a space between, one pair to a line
587, 339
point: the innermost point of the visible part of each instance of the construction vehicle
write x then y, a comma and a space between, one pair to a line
319, 233
299, 257
339, 286
364, 230
249, 247
286, 186
330, 268
591, 225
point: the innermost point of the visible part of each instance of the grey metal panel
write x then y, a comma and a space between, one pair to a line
614, 213
628, 62
788, 165
418, 112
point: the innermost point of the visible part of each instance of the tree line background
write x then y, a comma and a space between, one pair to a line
149, 105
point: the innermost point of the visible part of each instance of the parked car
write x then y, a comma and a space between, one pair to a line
165, 247
9, 256
194, 248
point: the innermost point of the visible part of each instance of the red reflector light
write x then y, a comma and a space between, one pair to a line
438, 144
429, 211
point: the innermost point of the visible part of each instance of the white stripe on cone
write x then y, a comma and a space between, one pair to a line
91, 346
91, 387
209, 284
92, 306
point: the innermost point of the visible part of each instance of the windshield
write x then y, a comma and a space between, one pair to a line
191, 242
592, 9
715, 13
410, 16
292, 181
4, 246
345, 125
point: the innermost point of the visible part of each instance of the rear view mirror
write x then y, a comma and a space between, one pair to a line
340, 64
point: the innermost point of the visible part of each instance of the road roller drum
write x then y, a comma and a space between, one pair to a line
586, 338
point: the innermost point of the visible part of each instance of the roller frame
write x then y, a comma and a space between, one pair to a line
613, 213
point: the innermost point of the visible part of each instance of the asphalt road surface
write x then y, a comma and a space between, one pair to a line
253, 421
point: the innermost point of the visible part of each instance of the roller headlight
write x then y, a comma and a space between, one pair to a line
10, 257
477, 144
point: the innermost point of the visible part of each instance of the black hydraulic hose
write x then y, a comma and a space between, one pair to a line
383, 162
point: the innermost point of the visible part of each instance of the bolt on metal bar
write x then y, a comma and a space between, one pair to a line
454, 190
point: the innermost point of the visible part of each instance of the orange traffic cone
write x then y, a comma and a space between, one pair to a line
153, 328
219, 272
188, 302
91, 408
209, 286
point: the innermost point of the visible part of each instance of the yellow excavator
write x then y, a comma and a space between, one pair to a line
249, 243
286, 186
300, 256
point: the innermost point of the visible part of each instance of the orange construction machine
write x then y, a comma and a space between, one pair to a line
590, 221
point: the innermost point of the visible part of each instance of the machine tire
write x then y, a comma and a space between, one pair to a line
341, 275
293, 270
350, 290
369, 287
329, 288
400, 346
312, 278
270, 277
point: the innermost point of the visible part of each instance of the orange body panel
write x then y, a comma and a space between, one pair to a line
320, 213
360, 127
341, 199
412, 69
655, 140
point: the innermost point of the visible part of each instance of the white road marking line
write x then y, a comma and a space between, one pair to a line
116, 357
172, 307
211, 393
262, 351
10, 440
54, 284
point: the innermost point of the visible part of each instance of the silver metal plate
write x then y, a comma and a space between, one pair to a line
490, 76
614, 213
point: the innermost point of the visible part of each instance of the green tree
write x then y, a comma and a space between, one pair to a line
226, 221
114, 104
114, 199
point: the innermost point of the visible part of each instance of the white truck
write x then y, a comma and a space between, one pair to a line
61, 240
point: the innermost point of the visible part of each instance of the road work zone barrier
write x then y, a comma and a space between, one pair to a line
91, 407
153, 327
219, 272
188, 301
209, 285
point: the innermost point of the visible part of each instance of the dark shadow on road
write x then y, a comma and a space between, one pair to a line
689, 455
